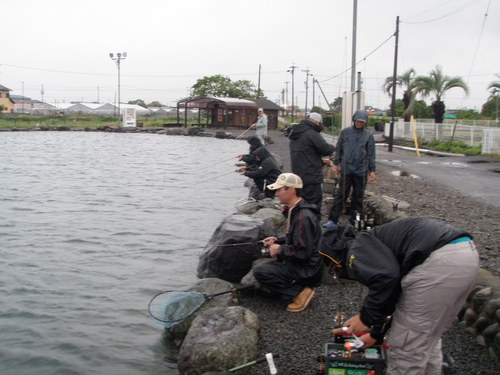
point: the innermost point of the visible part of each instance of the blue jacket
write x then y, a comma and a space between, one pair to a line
356, 150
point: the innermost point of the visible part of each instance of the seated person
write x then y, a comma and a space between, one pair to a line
296, 267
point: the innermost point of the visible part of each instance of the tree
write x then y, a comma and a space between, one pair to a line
438, 84
407, 82
138, 102
222, 86
155, 103
337, 104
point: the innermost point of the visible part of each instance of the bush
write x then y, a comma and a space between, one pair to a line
456, 147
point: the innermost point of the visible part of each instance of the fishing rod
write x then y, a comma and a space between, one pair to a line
243, 133
222, 245
216, 177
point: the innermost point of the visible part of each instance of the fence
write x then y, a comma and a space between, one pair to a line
476, 136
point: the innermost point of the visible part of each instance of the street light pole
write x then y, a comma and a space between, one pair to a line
119, 57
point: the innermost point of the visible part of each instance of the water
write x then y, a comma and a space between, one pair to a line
92, 225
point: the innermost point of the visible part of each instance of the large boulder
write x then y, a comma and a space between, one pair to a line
219, 339
233, 247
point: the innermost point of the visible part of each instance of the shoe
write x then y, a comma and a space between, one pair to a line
329, 224
302, 300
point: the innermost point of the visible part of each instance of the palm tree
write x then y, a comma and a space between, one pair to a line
406, 81
437, 83
495, 87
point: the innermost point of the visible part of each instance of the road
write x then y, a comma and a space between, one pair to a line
474, 176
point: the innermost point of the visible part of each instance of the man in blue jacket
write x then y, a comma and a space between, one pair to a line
307, 150
419, 271
355, 159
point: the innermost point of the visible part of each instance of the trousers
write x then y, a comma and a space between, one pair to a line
433, 293
348, 181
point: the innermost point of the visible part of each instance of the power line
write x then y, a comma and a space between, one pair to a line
465, 6
359, 61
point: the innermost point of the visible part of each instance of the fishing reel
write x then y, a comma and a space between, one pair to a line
265, 252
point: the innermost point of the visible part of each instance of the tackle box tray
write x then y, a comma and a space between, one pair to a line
337, 364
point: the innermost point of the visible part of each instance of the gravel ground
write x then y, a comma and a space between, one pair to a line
300, 338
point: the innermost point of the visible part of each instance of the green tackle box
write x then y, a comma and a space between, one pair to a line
336, 363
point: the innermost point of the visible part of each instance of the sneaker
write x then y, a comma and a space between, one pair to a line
329, 224
302, 300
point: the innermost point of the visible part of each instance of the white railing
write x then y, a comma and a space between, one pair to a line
477, 136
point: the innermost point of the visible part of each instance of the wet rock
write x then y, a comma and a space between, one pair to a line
219, 339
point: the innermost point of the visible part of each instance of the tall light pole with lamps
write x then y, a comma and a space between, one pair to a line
119, 57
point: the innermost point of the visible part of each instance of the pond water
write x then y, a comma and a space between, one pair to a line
92, 226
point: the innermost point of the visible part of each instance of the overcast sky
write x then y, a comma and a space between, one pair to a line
64, 45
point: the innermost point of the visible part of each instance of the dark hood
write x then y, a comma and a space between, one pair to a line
302, 127
254, 141
262, 153
360, 115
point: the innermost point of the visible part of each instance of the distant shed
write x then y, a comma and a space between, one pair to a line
224, 112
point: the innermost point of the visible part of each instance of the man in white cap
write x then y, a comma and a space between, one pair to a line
307, 150
296, 268
261, 126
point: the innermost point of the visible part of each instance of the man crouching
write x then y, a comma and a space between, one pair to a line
296, 267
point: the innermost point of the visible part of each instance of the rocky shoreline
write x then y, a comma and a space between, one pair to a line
300, 338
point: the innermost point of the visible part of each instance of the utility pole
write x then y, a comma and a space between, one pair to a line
353, 60
292, 70
307, 87
119, 57
358, 92
42, 92
394, 79
286, 98
314, 80
258, 84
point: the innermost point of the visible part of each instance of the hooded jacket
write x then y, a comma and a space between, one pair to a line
299, 248
266, 170
356, 148
381, 257
254, 143
307, 147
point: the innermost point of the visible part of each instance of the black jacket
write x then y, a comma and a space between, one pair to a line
307, 147
299, 247
266, 170
255, 144
381, 257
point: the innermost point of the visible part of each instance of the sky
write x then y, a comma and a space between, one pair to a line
58, 50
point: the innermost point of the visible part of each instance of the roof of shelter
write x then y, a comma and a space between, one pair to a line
267, 104
206, 101
3, 88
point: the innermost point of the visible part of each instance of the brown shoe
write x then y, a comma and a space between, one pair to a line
302, 300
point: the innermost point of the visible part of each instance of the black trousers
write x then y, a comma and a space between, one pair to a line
346, 182
278, 277
313, 194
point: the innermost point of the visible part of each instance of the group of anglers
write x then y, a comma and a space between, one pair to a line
419, 271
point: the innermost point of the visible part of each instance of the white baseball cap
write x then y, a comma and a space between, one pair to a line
288, 180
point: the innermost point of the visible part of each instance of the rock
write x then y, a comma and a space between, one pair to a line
481, 324
489, 333
470, 317
273, 219
219, 339
480, 299
224, 257
223, 135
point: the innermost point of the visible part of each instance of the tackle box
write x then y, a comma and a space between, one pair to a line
339, 361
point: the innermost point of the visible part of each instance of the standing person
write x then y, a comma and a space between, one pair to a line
419, 271
264, 173
261, 126
355, 155
296, 268
307, 148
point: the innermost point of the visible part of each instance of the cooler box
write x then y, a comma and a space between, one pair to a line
357, 363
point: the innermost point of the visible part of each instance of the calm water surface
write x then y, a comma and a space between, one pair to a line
92, 225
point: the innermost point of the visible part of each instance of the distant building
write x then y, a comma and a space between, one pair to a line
22, 104
223, 112
6, 101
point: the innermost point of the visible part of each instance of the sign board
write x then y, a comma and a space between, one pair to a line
129, 117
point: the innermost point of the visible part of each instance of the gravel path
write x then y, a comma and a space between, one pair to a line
300, 338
